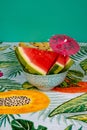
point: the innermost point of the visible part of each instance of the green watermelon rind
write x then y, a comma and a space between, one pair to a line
20, 61
26, 66
56, 68
68, 65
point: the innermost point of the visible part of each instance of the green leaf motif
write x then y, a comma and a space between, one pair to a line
4, 47
27, 85
82, 117
1, 42
83, 65
7, 84
20, 124
5, 64
8, 56
73, 76
9, 62
69, 127
4, 118
78, 104
79, 56
80, 128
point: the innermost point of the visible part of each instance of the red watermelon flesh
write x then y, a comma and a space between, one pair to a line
61, 59
37, 61
67, 58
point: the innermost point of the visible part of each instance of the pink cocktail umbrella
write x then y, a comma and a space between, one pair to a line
64, 44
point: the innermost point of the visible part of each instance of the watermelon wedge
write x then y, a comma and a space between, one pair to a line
35, 61
68, 63
58, 65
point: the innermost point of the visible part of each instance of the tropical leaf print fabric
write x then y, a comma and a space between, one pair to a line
66, 111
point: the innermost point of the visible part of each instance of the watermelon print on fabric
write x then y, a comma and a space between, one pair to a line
36, 61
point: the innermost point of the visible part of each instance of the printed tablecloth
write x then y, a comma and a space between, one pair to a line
67, 109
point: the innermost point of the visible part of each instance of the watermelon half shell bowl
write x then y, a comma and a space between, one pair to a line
45, 82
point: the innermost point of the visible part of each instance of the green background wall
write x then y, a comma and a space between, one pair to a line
38, 20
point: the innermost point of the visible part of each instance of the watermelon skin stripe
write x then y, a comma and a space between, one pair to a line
69, 63
56, 69
28, 66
